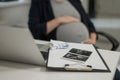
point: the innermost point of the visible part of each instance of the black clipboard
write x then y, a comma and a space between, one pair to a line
93, 70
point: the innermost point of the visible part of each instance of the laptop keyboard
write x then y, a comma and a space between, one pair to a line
44, 49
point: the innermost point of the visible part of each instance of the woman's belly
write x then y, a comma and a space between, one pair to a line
72, 32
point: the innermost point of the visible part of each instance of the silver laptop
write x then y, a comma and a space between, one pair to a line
17, 44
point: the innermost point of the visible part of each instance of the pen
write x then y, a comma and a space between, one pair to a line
78, 67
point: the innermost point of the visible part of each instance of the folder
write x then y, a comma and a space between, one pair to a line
87, 58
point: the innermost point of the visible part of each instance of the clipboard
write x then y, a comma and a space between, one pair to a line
56, 62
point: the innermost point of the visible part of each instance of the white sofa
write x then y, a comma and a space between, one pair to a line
16, 13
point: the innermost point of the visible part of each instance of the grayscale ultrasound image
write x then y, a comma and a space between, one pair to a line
78, 54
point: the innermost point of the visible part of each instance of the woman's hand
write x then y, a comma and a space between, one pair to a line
51, 25
91, 40
67, 19
60, 0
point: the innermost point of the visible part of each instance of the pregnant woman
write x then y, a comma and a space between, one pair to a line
61, 20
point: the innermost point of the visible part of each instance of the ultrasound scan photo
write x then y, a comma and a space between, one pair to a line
78, 54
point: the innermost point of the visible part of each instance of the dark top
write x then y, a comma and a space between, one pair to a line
41, 12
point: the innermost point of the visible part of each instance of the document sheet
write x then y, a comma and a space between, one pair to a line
56, 58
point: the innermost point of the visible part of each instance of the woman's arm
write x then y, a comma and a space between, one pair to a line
51, 25
86, 20
91, 40
39, 28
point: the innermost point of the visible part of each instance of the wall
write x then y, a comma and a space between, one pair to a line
108, 8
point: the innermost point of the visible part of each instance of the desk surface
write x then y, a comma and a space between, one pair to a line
17, 71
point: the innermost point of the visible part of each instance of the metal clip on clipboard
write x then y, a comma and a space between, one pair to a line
78, 67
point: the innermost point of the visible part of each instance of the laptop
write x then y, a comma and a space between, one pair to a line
17, 44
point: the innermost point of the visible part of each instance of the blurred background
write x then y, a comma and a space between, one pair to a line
105, 14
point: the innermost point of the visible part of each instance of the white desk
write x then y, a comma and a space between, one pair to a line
17, 71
